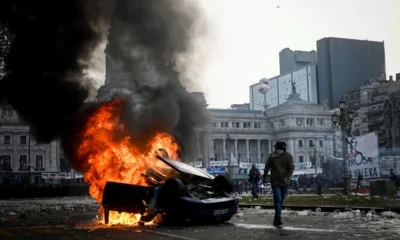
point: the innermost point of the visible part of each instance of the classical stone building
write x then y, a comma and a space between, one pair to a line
249, 135
20, 154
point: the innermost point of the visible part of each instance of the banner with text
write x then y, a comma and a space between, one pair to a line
362, 157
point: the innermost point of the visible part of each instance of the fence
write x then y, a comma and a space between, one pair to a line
389, 162
20, 191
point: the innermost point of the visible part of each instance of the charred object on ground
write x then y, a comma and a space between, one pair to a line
192, 195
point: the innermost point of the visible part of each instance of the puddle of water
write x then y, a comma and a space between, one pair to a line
260, 226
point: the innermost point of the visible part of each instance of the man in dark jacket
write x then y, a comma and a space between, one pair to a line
393, 178
254, 178
281, 164
320, 181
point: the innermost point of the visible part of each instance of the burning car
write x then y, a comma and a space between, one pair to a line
192, 194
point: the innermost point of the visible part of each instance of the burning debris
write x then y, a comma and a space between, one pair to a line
142, 107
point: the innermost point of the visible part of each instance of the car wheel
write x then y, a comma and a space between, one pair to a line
169, 196
222, 183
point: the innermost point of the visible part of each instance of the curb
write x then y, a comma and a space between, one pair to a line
323, 208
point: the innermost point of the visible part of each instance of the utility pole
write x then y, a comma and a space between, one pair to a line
345, 118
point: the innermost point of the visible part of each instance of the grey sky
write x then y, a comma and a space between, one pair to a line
248, 35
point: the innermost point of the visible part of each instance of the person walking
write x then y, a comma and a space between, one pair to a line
360, 181
281, 164
254, 178
320, 182
393, 178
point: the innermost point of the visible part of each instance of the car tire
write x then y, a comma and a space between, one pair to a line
222, 183
169, 197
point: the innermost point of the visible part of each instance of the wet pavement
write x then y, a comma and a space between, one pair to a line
75, 218
248, 224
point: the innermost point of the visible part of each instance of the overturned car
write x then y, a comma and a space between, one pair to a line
192, 195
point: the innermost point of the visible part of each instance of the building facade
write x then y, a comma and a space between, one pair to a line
345, 64
291, 60
305, 80
376, 105
20, 154
249, 135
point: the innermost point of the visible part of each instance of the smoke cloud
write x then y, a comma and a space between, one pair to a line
47, 65
149, 42
55, 48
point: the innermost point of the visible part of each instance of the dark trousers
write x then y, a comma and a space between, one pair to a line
279, 192
319, 189
254, 189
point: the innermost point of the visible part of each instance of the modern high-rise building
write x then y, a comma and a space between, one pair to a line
280, 88
345, 64
290, 60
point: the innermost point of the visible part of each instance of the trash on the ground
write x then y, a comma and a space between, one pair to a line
318, 210
303, 213
344, 215
389, 214
257, 208
240, 214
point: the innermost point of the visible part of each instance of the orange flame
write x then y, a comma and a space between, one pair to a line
110, 155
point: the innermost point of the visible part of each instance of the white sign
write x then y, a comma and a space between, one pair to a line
197, 164
363, 156
61, 175
260, 166
302, 165
218, 163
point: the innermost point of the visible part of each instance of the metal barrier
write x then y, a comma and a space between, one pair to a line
20, 191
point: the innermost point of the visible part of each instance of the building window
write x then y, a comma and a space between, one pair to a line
3, 111
282, 122
301, 159
6, 111
214, 124
22, 162
299, 121
39, 161
246, 125
7, 139
321, 122
310, 143
257, 125
300, 143
23, 140
321, 143
310, 122
5, 163
321, 159
272, 125
224, 124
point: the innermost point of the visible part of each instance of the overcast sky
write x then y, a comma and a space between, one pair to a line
249, 34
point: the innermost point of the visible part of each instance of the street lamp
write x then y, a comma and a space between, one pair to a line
228, 137
314, 153
343, 119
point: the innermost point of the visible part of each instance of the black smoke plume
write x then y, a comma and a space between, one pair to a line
53, 43
51, 47
145, 39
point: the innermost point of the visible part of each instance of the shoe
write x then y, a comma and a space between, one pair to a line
277, 222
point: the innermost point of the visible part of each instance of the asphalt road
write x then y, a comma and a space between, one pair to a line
250, 224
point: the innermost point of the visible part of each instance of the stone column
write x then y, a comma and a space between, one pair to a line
198, 147
211, 145
259, 150
205, 149
236, 150
247, 150
224, 148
